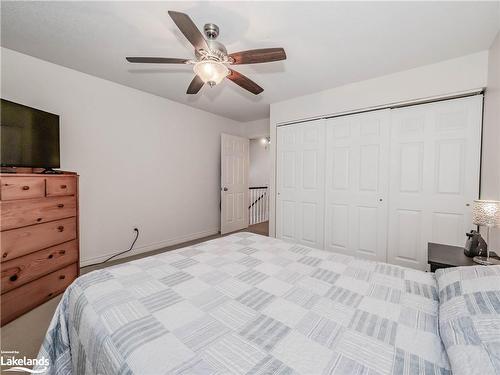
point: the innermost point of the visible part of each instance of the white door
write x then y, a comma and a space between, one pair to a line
357, 162
300, 183
435, 156
234, 183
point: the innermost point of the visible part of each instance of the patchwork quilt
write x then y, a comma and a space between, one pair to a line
248, 304
469, 318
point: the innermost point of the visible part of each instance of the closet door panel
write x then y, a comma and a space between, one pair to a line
287, 179
410, 167
369, 159
340, 175
287, 209
337, 227
456, 128
435, 154
408, 229
288, 168
310, 195
368, 229
356, 184
300, 182
409, 152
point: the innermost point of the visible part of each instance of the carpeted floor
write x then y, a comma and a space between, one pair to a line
26, 333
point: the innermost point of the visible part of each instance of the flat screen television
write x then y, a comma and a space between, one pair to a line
29, 137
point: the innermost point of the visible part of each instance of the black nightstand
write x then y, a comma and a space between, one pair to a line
444, 256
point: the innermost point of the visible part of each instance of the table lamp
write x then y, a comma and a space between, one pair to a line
486, 213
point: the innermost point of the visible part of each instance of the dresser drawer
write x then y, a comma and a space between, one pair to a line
57, 186
22, 241
22, 188
16, 214
19, 271
22, 299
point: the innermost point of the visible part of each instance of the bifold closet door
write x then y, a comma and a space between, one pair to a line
357, 160
300, 183
435, 160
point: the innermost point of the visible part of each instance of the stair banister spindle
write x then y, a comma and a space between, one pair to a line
258, 209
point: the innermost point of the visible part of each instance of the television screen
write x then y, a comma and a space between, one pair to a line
29, 137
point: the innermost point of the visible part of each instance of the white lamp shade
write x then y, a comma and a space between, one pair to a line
486, 212
211, 72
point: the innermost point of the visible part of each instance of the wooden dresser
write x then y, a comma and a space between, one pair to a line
39, 239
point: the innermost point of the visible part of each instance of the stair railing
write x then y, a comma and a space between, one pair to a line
258, 209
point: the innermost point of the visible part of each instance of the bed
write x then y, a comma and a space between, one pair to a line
249, 304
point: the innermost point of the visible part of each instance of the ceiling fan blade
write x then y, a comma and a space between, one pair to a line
244, 82
195, 85
189, 29
156, 60
256, 56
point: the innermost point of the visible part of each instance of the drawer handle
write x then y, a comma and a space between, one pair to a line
62, 277
62, 252
39, 219
13, 278
51, 256
4, 255
63, 186
60, 228
60, 205
51, 294
26, 187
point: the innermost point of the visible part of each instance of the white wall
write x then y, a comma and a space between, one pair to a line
444, 78
260, 156
255, 129
143, 160
490, 181
260, 163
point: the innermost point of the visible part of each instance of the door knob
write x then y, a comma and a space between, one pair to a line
225, 188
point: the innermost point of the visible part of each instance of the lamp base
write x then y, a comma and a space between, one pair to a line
486, 261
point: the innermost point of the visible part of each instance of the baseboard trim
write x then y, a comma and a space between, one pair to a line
151, 247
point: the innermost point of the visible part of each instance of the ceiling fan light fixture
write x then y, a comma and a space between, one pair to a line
211, 72
211, 64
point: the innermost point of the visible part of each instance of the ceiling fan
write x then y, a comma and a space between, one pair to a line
213, 63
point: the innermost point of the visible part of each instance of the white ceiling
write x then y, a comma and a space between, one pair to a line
328, 44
